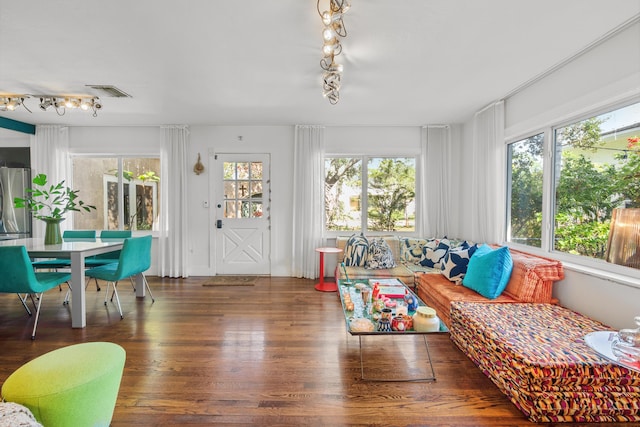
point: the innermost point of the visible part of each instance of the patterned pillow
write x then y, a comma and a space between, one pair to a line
455, 262
380, 255
355, 251
411, 249
433, 252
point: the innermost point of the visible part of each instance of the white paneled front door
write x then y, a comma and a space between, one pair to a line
242, 191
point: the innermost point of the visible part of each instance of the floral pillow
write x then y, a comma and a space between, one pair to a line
355, 251
433, 253
411, 249
380, 255
455, 262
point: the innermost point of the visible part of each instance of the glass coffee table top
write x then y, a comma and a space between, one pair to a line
363, 319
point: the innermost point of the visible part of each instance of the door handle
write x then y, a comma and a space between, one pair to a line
219, 223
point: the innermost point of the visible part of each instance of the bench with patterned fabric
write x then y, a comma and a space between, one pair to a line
536, 355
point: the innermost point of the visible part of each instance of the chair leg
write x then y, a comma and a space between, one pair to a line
33, 301
115, 292
67, 295
35, 323
106, 294
133, 283
23, 300
148, 288
89, 280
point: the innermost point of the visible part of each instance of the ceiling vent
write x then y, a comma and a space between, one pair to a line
110, 91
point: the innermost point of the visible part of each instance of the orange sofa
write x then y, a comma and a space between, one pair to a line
531, 281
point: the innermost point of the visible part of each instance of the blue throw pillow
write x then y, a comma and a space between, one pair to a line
433, 253
489, 271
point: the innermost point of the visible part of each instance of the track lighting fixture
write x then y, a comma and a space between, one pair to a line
11, 102
59, 102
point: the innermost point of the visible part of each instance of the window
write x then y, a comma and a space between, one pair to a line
525, 175
594, 184
370, 193
134, 206
243, 195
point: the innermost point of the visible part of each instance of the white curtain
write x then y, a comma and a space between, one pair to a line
173, 241
308, 200
487, 180
434, 181
50, 155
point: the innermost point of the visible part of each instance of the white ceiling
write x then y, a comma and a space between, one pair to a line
256, 62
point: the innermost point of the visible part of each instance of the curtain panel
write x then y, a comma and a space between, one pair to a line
434, 180
308, 200
173, 240
488, 175
50, 155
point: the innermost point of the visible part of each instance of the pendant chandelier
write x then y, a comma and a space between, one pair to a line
333, 31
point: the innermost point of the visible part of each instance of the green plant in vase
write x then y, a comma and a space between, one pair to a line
50, 204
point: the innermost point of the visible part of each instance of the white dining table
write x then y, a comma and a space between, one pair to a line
76, 250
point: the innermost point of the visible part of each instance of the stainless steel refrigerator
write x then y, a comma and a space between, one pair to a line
14, 223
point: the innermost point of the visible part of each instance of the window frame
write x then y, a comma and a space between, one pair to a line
120, 159
589, 265
364, 196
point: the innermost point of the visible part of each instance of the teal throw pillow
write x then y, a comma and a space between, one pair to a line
489, 271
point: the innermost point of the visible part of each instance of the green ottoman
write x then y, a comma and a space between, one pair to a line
72, 386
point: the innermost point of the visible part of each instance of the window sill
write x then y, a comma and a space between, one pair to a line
620, 279
610, 272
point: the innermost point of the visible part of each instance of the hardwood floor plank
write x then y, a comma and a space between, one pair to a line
276, 353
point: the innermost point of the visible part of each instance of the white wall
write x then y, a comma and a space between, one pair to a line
11, 138
209, 140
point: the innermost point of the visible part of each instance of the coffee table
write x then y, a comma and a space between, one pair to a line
360, 311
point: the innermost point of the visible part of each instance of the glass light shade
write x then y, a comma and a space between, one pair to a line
85, 104
329, 49
326, 17
70, 103
328, 34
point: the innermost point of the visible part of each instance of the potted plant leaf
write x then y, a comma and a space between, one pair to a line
50, 204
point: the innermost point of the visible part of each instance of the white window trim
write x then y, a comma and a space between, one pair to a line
594, 267
364, 202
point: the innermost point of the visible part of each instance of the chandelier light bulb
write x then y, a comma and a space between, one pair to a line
328, 49
328, 34
326, 17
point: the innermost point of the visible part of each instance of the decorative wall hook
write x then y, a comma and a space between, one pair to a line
198, 168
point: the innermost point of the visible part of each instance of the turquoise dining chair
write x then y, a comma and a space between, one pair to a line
109, 257
135, 258
19, 277
56, 263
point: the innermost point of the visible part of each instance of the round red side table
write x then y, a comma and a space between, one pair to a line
322, 285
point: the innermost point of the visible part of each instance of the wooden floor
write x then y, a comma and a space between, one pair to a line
271, 354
